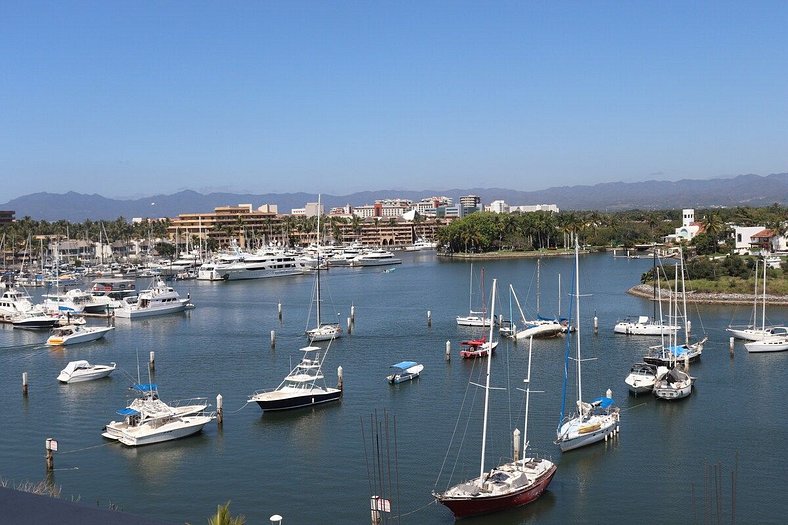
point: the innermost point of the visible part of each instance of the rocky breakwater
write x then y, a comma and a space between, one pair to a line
647, 291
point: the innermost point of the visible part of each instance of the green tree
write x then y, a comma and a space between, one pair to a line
223, 516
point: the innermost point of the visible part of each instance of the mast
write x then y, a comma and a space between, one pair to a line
538, 285
317, 285
577, 314
470, 291
654, 285
684, 300
755, 296
763, 311
527, 382
487, 384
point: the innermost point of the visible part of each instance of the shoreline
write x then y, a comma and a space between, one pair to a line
646, 291
511, 255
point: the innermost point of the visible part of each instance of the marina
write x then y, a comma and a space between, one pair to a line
684, 452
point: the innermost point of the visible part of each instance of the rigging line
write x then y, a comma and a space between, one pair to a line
413, 511
366, 454
242, 407
86, 448
631, 408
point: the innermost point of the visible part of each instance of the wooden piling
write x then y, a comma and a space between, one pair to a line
279, 310
273, 338
152, 361
352, 313
731, 344
51, 447
24, 384
340, 380
349, 325
596, 324
448, 351
429, 317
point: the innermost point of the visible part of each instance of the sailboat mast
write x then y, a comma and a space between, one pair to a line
755, 295
470, 291
538, 284
527, 382
654, 284
684, 301
763, 306
487, 384
317, 283
577, 315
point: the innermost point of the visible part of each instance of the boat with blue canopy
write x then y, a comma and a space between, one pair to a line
404, 371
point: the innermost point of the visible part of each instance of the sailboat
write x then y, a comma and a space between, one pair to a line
591, 422
643, 324
474, 317
753, 332
667, 354
322, 331
506, 486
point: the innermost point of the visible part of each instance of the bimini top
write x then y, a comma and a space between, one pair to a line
73, 365
127, 412
405, 365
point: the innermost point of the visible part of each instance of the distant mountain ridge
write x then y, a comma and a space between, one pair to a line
743, 190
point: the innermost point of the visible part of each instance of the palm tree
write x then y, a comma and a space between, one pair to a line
714, 226
223, 516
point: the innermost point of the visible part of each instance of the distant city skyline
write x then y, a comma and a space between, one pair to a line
149, 98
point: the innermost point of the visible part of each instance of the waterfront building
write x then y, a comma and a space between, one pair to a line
743, 238
6, 216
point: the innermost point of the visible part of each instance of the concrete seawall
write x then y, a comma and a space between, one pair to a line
647, 292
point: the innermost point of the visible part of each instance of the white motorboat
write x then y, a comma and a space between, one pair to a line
303, 386
375, 258
405, 371
147, 419
139, 429
778, 342
78, 371
642, 377
644, 325
421, 244
73, 334
159, 300
239, 265
591, 422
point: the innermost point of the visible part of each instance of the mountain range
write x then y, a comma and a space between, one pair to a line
742, 190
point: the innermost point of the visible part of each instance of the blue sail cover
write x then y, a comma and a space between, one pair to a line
405, 364
146, 387
604, 402
678, 350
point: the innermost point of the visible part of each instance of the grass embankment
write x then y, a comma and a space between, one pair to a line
774, 286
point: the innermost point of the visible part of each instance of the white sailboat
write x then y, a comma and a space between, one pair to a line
753, 332
322, 331
474, 317
591, 422
505, 486
643, 324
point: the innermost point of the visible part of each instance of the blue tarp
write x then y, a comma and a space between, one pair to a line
604, 402
405, 364
146, 387
678, 350
127, 412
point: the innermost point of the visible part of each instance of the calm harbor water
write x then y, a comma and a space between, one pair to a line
672, 461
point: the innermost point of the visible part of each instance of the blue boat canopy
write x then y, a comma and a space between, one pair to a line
405, 364
127, 412
604, 402
678, 350
146, 387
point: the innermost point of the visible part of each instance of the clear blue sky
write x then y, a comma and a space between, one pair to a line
136, 98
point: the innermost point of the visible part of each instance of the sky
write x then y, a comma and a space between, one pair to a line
136, 98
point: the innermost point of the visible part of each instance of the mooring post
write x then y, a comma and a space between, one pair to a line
429, 317
349, 325
24, 384
596, 324
152, 361
273, 338
731, 346
219, 410
340, 380
279, 310
352, 313
51, 447
448, 351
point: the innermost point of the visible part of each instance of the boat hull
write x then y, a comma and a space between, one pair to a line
272, 402
136, 313
476, 505
167, 432
767, 345
596, 429
99, 372
83, 337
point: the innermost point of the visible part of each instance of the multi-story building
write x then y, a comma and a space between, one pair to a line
6, 216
